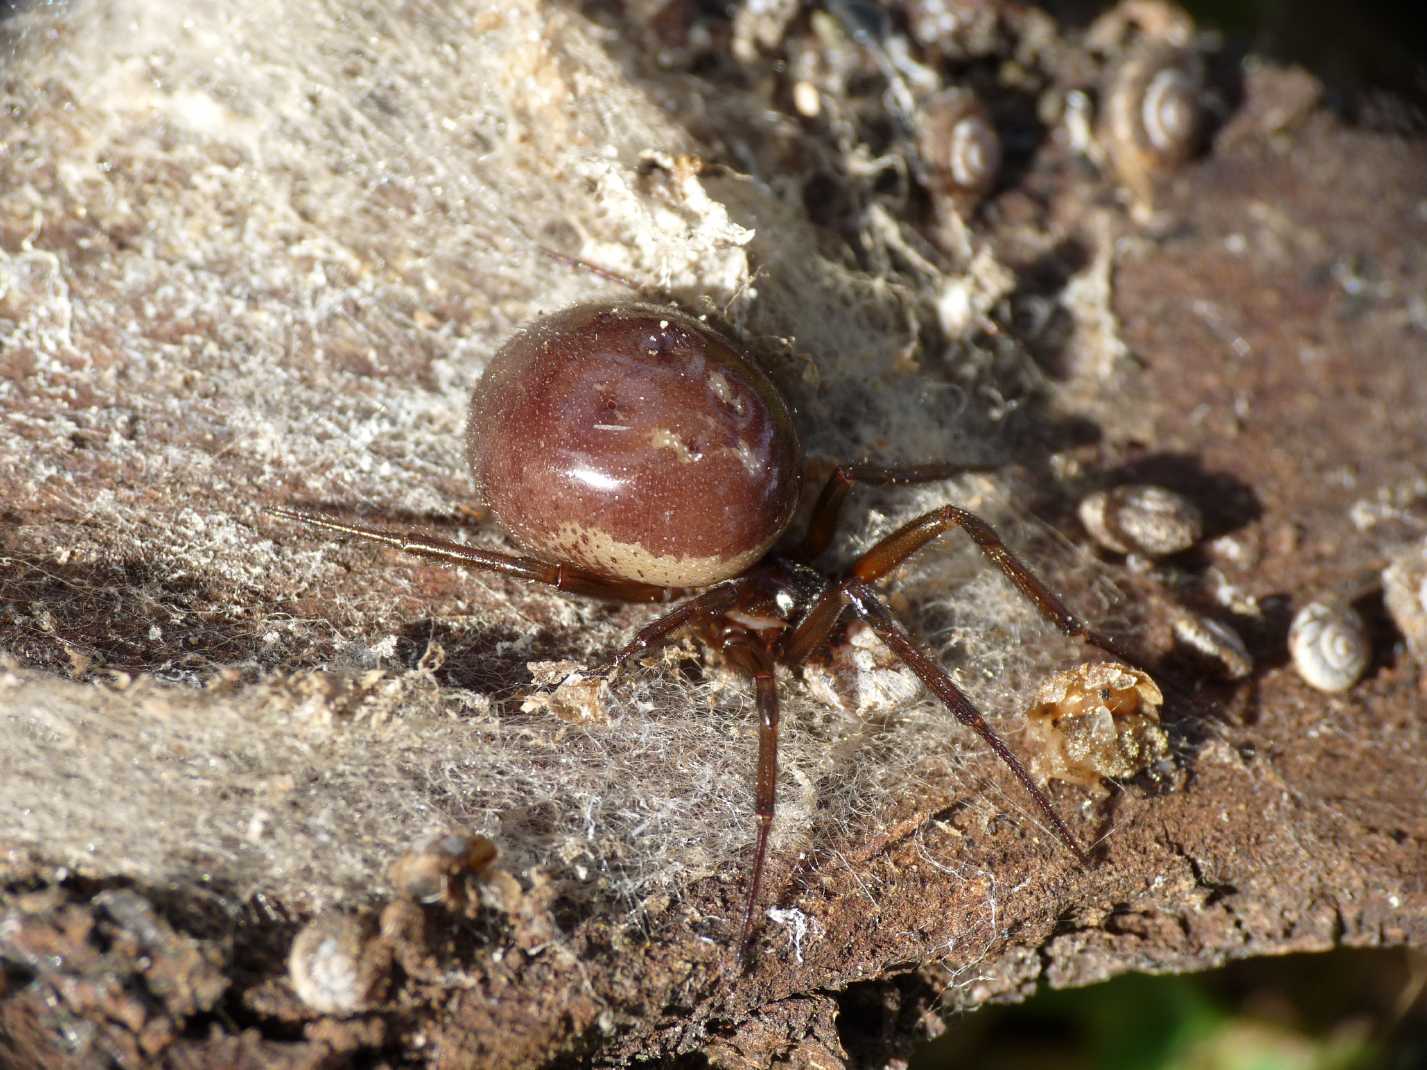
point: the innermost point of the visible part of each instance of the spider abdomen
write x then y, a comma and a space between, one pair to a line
636, 442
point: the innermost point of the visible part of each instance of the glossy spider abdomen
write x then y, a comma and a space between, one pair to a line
635, 442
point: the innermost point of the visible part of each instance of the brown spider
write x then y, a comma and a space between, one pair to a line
634, 454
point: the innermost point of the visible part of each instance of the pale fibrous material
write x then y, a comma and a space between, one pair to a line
243, 269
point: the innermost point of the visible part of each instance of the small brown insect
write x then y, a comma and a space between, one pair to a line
1099, 719
439, 870
632, 453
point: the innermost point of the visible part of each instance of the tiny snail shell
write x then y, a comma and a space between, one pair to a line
1098, 719
338, 965
1217, 641
959, 146
1152, 114
1329, 644
1140, 518
1404, 592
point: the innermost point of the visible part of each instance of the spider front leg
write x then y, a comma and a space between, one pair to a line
907, 540
897, 547
867, 605
855, 591
828, 508
852, 592
911, 537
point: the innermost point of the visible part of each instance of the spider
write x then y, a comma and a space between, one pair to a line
635, 454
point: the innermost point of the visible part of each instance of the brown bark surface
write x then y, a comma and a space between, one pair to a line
217, 728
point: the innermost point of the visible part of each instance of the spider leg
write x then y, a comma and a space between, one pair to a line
911, 537
867, 605
749, 657
815, 627
692, 611
564, 577
828, 508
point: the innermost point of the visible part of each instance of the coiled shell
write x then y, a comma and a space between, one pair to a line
337, 965
1329, 644
1217, 642
1099, 719
959, 146
1153, 114
1140, 518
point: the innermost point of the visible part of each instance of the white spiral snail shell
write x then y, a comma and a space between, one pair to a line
1153, 114
1142, 518
337, 966
959, 146
1329, 644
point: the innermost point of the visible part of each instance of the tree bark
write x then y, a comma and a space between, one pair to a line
250, 259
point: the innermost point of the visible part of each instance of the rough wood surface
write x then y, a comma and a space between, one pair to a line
243, 266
